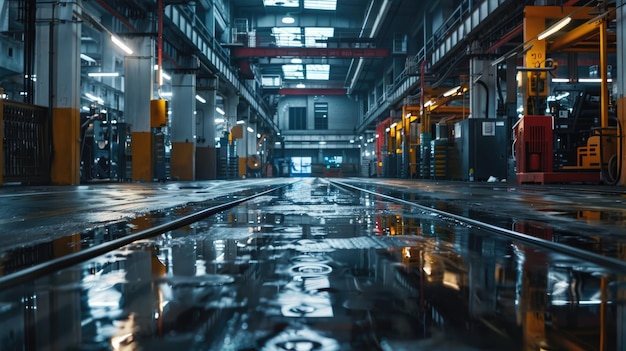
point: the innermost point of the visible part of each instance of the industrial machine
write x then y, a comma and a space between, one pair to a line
575, 108
569, 145
103, 149
227, 159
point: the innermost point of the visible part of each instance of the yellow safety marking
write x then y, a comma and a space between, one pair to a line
182, 161
143, 156
66, 146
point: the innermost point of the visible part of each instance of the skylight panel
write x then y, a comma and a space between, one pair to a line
318, 71
311, 34
287, 36
328, 5
293, 71
283, 3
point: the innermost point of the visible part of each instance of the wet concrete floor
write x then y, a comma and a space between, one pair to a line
592, 218
318, 268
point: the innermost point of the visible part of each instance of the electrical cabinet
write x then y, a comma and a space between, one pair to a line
482, 145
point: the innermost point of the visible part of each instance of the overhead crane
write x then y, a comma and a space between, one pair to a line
242, 55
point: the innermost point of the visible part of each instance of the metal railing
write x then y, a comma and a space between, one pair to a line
26, 143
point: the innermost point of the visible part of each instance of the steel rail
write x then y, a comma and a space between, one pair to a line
618, 191
59, 263
607, 262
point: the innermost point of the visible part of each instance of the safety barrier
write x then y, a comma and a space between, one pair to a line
26, 143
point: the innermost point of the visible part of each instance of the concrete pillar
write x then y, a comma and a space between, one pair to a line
230, 104
205, 119
112, 59
237, 131
138, 87
57, 67
621, 86
183, 122
243, 145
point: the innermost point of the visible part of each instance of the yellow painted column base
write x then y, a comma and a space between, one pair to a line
182, 161
242, 167
143, 156
66, 145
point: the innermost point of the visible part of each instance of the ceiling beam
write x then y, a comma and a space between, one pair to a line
347, 53
312, 91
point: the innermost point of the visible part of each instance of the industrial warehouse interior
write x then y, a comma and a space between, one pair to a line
312, 175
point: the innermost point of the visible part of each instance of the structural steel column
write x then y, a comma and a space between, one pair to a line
138, 82
183, 160
534, 83
621, 88
58, 85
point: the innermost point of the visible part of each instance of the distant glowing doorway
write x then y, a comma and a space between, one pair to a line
301, 166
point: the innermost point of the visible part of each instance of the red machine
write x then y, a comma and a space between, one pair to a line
533, 144
534, 154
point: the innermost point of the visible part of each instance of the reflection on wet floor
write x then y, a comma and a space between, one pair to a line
314, 268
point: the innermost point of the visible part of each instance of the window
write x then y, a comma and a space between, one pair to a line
321, 115
297, 118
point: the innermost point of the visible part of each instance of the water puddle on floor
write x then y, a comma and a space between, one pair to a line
313, 268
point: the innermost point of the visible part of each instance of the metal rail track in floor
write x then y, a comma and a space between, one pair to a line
602, 261
580, 188
56, 264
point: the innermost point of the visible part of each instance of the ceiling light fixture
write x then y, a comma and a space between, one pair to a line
94, 98
103, 74
87, 58
200, 99
288, 19
452, 91
220, 111
554, 28
117, 41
